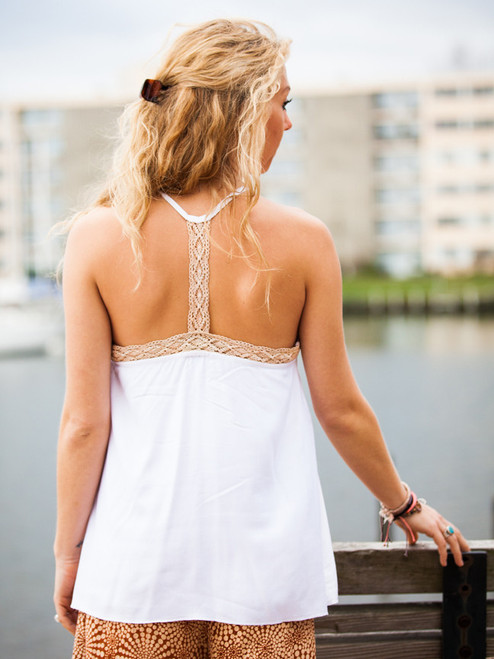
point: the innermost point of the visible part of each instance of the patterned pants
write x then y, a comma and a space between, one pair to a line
192, 639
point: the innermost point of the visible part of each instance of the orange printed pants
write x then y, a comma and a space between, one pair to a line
192, 639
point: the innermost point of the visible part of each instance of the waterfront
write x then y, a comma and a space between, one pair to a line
431, 382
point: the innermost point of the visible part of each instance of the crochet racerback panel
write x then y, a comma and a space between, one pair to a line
198, 336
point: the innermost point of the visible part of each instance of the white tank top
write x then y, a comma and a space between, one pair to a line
210, 505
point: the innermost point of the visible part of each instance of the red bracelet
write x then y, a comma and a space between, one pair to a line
388, 517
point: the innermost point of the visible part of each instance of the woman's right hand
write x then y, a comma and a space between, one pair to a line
65, 575
430, 522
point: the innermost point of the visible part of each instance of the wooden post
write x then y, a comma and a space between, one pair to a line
403, 626
464, 607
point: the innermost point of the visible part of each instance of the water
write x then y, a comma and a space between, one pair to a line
431, 383
31, 393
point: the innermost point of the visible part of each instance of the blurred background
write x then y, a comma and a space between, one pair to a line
392, 146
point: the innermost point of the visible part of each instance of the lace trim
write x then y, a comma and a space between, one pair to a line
203, 341
198, 319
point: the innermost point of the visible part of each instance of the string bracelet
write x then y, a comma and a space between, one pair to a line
403, 504
389, 515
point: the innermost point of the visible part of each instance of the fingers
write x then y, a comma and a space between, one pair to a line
455, 548
64, 585
454, 541
68, 619
463, 543
65, 614
457, 544
442, 546
433, 524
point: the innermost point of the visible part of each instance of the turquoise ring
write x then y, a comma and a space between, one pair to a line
449, 530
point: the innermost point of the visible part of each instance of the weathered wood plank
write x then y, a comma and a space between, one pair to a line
411, 648
381, 637
378, 617
372, 568
404, 646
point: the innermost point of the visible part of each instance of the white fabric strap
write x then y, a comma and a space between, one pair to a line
200, 218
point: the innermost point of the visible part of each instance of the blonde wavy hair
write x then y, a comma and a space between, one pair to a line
208, 127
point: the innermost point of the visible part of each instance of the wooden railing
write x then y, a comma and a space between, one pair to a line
412, 629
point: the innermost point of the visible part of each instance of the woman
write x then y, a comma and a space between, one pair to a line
190, 509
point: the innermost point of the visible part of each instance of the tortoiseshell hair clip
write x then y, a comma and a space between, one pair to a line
152, 89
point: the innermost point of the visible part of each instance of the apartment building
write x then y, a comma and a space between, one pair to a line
49, 159
402, 174
323, 166
458, 176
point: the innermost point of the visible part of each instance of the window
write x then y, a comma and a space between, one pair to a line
483, 91
471, 221
483, 123
459, 257
453, 124
397, 195
464, 156
41, 117
402, 264
396, 131
447, 124
446, 157
447, 91
406, 162
449, 221
397, 227
403, 99
448, 189
452, 92
465, 188
484, 187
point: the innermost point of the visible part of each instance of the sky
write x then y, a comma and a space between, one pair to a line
55, 49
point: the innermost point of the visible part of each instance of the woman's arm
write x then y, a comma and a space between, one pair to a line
343, 412
85, 423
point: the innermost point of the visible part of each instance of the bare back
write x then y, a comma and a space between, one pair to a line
159, 307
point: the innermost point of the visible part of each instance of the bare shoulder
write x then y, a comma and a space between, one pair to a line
98, 224
94, 232
305, 232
